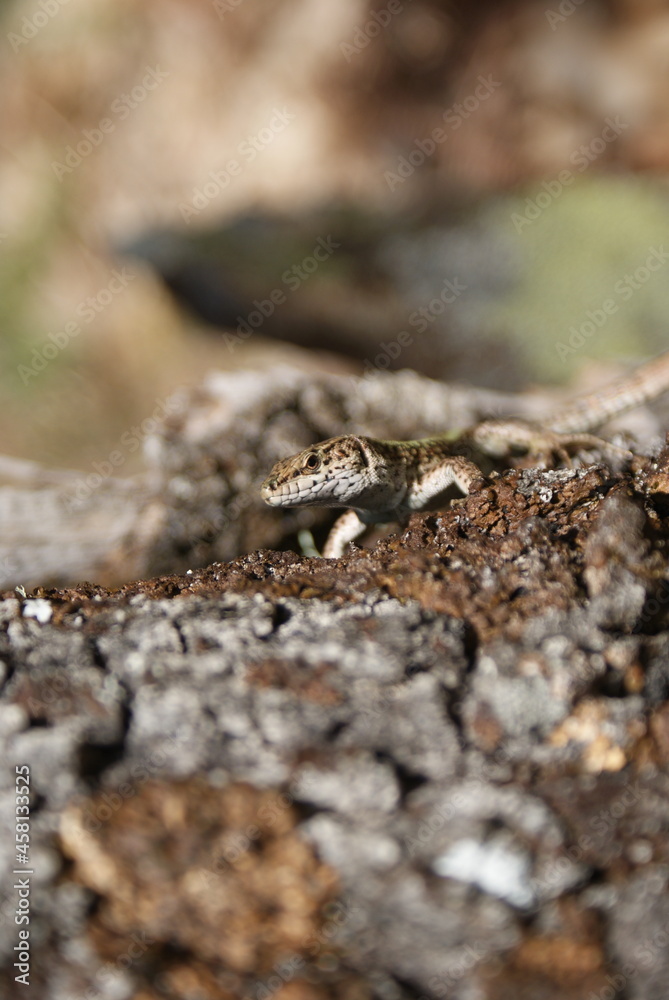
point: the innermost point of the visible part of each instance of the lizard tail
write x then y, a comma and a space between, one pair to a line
647, 382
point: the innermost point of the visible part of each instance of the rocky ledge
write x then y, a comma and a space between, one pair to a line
436, 767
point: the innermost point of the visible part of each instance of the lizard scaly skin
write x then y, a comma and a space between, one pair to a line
379, 480
382, 481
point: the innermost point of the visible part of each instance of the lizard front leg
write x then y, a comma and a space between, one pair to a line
346, 529
455, 469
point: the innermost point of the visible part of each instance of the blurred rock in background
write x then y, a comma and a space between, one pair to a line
434, 769
514, 147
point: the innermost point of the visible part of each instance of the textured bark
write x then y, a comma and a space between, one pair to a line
435, 768
198, 500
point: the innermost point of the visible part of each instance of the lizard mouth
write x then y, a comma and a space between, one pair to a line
293, 493
274, 499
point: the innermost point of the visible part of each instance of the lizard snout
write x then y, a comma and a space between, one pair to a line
268, 489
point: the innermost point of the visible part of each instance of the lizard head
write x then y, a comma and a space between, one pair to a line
332, 473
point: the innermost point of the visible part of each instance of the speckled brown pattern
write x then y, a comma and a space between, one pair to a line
383, 481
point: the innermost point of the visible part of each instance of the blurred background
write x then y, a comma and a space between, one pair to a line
474, 191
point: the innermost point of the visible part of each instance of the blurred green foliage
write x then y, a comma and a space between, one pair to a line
581, 251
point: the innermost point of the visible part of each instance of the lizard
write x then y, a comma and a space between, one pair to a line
381, 481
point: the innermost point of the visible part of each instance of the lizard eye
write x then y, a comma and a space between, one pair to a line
312, 462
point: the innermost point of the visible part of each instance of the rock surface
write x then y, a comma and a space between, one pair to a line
433, 768
198, 499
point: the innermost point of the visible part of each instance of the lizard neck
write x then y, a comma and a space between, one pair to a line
381, 470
